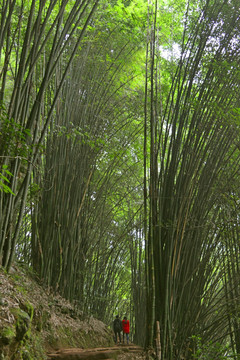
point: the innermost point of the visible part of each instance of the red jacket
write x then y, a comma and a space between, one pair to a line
125, 326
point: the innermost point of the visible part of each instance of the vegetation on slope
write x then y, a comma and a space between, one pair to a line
34, 321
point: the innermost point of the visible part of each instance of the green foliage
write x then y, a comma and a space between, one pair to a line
14, 138
7, 335
77, 135
34, 192
209, 350
23, 323
3, 180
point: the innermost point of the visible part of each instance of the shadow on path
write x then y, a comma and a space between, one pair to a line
110, 353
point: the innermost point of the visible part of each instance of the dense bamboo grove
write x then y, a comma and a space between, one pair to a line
193, 139
119, 163
83, 263
32, 42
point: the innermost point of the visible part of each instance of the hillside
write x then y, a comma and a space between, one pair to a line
34, 322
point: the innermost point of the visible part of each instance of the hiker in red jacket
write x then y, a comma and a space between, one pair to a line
125, 328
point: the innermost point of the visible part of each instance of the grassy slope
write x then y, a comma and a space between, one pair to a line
33, 321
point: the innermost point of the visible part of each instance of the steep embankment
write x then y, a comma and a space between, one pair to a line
34, 322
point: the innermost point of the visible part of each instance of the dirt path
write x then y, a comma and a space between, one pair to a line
122, 352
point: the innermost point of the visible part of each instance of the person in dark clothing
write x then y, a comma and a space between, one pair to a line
125, 328
117, 328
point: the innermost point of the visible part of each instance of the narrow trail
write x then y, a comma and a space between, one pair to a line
120, 352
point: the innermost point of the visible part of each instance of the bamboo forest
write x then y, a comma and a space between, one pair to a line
120, 163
